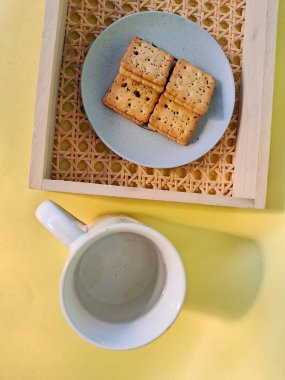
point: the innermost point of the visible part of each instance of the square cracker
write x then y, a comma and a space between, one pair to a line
173, 120
147, 62
131, 99
190, 87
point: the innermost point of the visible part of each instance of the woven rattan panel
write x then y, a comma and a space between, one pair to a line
78, 153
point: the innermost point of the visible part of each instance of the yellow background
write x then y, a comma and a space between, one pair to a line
232, 326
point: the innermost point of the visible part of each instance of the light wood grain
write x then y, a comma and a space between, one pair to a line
267, 102
256, 103
46, 94
130, 192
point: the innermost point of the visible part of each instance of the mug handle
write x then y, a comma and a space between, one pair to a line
64, 226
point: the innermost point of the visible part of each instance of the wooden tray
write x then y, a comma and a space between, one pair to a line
68, 156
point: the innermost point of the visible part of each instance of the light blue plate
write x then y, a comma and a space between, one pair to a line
181, 38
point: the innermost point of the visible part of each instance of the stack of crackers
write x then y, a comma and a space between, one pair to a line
139, 93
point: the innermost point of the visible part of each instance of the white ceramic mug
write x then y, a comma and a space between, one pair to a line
123, 284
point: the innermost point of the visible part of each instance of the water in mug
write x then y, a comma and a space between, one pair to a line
120, 277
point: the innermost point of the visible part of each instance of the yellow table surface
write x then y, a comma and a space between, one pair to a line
232, 326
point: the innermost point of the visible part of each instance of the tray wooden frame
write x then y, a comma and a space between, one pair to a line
253, 143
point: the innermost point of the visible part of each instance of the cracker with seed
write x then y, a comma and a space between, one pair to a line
173, 120
148, 62
131, 99
190, 87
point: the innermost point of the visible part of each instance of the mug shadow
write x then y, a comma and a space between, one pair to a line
224, 272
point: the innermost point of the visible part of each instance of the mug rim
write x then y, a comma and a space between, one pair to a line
175, 285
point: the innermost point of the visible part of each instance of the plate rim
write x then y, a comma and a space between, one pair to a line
198, 27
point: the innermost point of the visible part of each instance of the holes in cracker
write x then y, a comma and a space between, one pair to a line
108, 21
116, 167
83, 146
137, 94
90, 37
133, 168
74, 17
148, 186
127, 7
98, 166
64, 164
70, 71
74, 35
64, 145
82, 166
92, 19
67, 107
100, 147
66, 125
84, 127
110, 5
